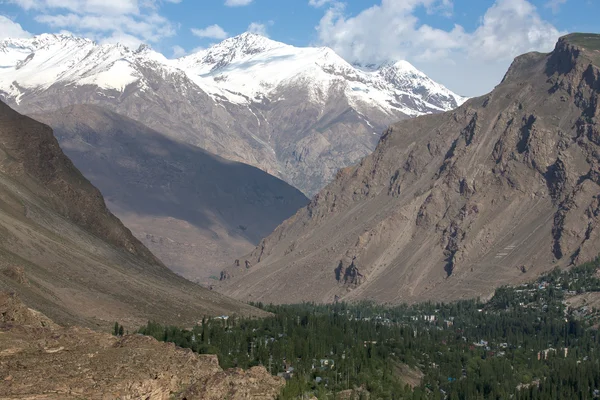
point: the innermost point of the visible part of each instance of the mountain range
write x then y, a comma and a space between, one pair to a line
452, 205
159, 136
297, 113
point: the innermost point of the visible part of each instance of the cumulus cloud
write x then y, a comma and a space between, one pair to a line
11, 29
211, 32
90, 6
509, 28
237, 3
391, 31
258, 28
129, 22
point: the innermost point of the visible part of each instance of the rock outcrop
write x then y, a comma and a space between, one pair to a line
450, 206
40, 360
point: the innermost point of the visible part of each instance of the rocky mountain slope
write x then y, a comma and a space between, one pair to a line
79, 363
452, 205
193, 209
64, 252
297, 113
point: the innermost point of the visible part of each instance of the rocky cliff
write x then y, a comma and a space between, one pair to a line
450, 206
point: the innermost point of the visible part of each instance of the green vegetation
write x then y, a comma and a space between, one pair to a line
118, 330
524, 344
589, 41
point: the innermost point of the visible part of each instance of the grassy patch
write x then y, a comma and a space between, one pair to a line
589, 41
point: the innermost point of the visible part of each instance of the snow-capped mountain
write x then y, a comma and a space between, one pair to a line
38, 63
250, 67
298, 113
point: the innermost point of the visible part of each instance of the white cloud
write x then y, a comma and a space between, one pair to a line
509, 28
212, 32
258, 28
178, 51
237, 3
11, 29
455, 57
444, 7
555, 5
81, 6
319, 3
130, 22
150, 27
197, 50
125, 39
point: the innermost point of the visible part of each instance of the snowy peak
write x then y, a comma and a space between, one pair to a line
250, 67
42, 61
405, 76
230, 50
45, 40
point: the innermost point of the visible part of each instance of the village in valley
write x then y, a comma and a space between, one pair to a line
547, 326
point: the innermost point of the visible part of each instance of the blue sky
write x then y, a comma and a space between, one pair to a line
465, 44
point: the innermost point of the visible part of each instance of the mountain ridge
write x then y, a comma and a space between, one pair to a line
451, 205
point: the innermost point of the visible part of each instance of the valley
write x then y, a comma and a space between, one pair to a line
288, 205
192, 209
226, 103
537, 340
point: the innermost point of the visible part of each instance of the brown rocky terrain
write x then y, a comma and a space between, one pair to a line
78, 363
66, 255
452, 205
192, 209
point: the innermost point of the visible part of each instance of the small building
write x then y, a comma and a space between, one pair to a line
430, 318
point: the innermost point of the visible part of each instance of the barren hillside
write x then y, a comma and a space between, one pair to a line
66, 255
450, 206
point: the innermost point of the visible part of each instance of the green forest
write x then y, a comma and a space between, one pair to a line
525, 343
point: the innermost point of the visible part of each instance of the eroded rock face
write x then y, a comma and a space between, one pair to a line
73, 363
450, 206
